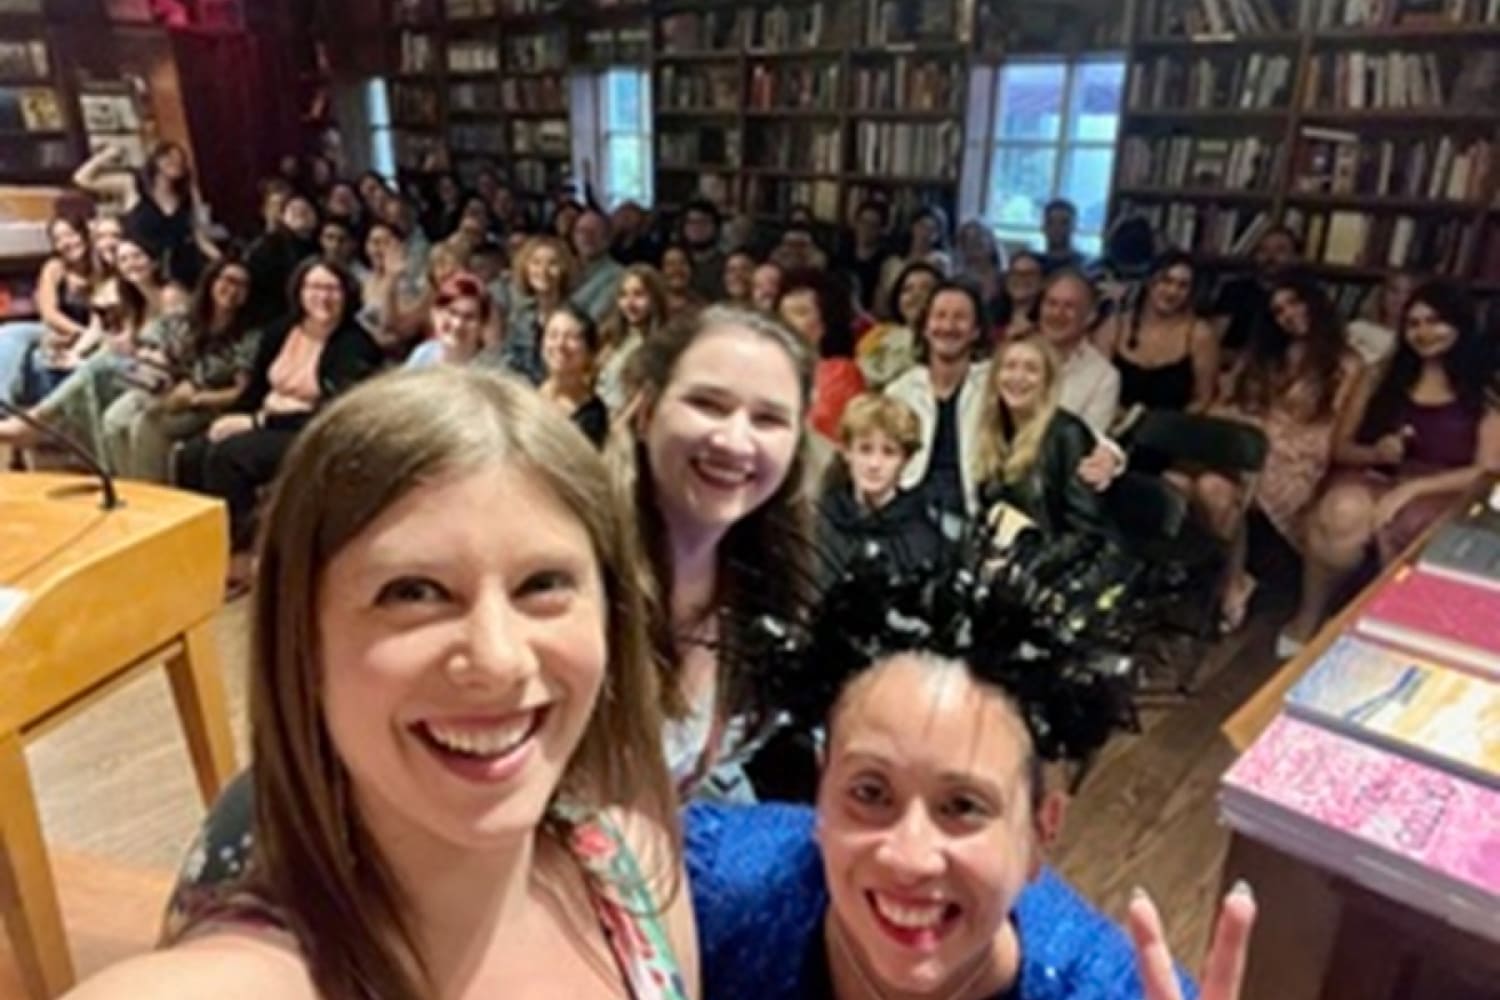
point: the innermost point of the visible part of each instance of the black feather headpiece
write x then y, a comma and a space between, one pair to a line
1043, 619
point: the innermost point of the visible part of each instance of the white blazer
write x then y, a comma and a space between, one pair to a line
914, 388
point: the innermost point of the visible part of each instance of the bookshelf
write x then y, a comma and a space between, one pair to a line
40, 135
1370, 128
768, 104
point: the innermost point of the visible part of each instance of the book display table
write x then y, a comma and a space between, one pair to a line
1373, 847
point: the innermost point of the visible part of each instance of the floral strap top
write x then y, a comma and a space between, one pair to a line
628, 914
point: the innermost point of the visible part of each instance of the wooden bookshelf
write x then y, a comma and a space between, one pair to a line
1386, 153
41, 137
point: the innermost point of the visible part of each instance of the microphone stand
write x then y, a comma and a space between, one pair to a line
72, 447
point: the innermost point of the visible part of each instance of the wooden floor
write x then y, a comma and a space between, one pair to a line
119, 805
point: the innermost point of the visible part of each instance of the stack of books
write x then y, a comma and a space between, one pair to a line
1385, 764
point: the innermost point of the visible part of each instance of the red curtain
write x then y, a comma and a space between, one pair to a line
240, 92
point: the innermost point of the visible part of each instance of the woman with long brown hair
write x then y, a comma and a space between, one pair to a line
457, 786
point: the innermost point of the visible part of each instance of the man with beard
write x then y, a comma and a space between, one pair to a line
1242, 304
700, 232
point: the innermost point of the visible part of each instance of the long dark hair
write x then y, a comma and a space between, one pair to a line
202, 309
1468, 363
345, 279
893, 302
765, 554
1266, 373
1160, 266
835, 306
183, 186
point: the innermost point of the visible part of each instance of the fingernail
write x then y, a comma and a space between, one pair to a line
1137, 894
1242, 888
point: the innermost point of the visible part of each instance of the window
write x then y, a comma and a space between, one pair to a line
611, 113
1052, 135
377, 113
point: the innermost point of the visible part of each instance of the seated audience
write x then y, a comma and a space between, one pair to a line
570, 345
393, 286
542, 278
598, 273
1024, 279
640, 313
739, 279
1059, 220
1243, 304
633, 242
817, 306
1375, 332
798, 249
981, 262
303, 362
1029, 447
927, 241
864, 259
862, 507
1090, 384
1295, 382
1411, 444
1167, 357
338, 245
765, 287
700, 231
677, 278
275, 256
888, 350
57, 344
461, 314
209, 352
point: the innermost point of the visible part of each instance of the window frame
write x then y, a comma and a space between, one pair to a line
601, 133
1063, 146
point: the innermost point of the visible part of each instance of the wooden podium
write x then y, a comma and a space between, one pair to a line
87, 597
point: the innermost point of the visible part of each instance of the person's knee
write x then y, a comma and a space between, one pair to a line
1346, 513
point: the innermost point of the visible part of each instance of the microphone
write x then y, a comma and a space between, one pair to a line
72, 447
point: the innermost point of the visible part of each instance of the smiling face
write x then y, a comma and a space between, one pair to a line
799, 310
107, 232
634, 301
230, 289
875, 460
1023, 280
461, 662
739, 277
676, 270
71, 245
1428, 334
300, 217
925, 824
134, 264
1067, 307
544, 270
322, 297
1021, 377
336, 243
565, 349
1290, 313
1172, 289
952, 327
722, 435
458, 324
916, 289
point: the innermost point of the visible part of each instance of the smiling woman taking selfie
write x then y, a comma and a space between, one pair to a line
458, 787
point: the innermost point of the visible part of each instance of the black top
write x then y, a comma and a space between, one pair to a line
902, 528
271, 261
1156, 387
349, 357
73, 299
865, 272
1069, 260
168, 237
592, 417
943, 487
1051, 494
1246, 303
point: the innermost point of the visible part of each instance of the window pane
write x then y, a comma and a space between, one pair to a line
626, 167
622, 100
1086, 177
1097, 87
1015, 239
1031, 101
1091, 247
1020, 184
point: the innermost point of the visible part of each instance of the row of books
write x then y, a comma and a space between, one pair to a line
908, 149
418, 52
477, 138
694, 147
21, 159
471, 55
534, 93
415, 105
1207, 229
898, 22
547, 51
624, 44
1194, 18
467, 10
1385, 765
779, 28
712, 30
24, 59
549, 137
811, 86
1253, 80
1249, 164
474, 97
775, 197
1331, 161
1356, 80
1388, 13
414, 11
713, 88
909, 83
815, 148
1489, 260
1431, 244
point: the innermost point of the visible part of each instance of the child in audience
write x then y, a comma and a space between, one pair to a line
570, 347
1408, 448
1295, 382
863, 506
639, 314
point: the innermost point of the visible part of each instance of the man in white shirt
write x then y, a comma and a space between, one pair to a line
1091, 383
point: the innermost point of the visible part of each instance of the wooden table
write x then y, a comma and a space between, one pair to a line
1321, 936
87, 598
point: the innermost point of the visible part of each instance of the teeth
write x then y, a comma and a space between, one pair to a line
912, 917
494, 742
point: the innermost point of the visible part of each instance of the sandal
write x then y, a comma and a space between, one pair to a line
1233, 612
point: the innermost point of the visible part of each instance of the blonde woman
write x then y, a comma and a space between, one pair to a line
1029, 448
543, 276
458, 787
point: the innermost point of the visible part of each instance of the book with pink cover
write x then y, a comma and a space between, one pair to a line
1393, 806
1409, 704
1452, 621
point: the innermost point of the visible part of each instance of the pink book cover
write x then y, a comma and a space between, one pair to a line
1405, 808
1449, 619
